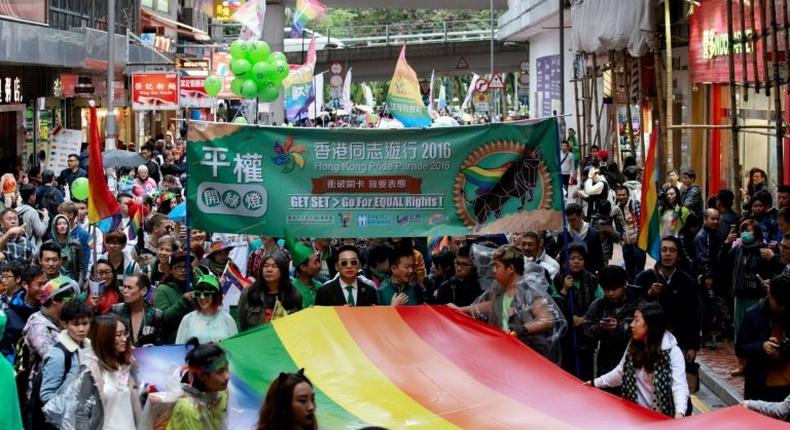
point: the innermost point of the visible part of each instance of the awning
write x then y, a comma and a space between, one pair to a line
156, 20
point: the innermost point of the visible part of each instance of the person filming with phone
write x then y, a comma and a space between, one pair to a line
14, 245
743, 252
608, 320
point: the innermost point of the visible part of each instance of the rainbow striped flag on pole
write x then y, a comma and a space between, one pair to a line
101, 202
404, 100
649, 222
298, 87
306, 11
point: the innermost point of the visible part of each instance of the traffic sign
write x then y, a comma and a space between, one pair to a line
524, 79
462, 64
496, 82
336, 68
481, 86
524, 66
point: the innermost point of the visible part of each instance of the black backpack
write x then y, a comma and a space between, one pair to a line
49, 201
35, 404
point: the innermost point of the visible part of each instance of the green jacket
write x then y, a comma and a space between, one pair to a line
308, 293
169, 298
389, 289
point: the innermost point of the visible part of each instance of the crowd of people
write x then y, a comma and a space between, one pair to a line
77, 300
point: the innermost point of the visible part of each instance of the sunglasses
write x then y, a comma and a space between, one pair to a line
346, 263
204, 294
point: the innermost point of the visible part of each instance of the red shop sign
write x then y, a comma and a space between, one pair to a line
709, 47
155, 91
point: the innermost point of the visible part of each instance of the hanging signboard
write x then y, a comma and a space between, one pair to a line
155, 91
63, 142
192, 94
374, 183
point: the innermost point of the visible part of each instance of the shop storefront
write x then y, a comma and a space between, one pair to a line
23, 91
710, 77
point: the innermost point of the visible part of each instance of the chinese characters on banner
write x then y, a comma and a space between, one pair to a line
155, 91
374, 183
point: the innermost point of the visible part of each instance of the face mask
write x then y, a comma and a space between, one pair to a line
747, 237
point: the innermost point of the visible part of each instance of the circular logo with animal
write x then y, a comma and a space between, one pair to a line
502, 186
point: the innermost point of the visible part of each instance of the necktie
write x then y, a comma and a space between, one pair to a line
350, 295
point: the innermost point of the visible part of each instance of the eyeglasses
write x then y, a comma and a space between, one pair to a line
104, 273
203, 294
463, 264
180, 267
346, 263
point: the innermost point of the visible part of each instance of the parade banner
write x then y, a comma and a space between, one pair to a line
155, 91
344, 182
420, 367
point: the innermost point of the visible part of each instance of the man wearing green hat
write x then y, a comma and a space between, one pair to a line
308, 266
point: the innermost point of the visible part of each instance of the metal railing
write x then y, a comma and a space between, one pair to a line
73, 14
395, 34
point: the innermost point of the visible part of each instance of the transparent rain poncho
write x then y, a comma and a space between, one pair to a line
531, 306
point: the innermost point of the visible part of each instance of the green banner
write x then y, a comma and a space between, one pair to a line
343, 182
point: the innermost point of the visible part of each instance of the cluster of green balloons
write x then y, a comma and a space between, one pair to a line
259, 72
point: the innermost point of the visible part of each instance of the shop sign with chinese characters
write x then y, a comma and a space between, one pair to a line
155, 91
11, 90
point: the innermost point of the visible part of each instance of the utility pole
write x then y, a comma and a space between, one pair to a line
668, 34
109, 120
562, 59
491, 104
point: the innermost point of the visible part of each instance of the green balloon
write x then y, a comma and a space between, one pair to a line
260, 51
235, 86
212, 85
236, 50
79, 189
249, 89
268, 91
246, 47
263, 71
240, 120
281, 70
240, 67
278, 56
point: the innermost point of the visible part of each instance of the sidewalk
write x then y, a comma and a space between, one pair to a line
715, 367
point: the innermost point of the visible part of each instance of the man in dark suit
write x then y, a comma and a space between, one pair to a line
346, 288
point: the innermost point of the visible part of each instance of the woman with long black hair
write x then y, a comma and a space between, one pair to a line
652, 372
270, 295
289, 404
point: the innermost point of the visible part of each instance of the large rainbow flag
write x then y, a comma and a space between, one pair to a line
101, 202
404, 100
649, 223
421, 367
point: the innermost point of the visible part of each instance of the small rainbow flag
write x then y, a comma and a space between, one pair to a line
485, 179
649, 223
136, 214
232, 277
420, 367
101, 202
306, 11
